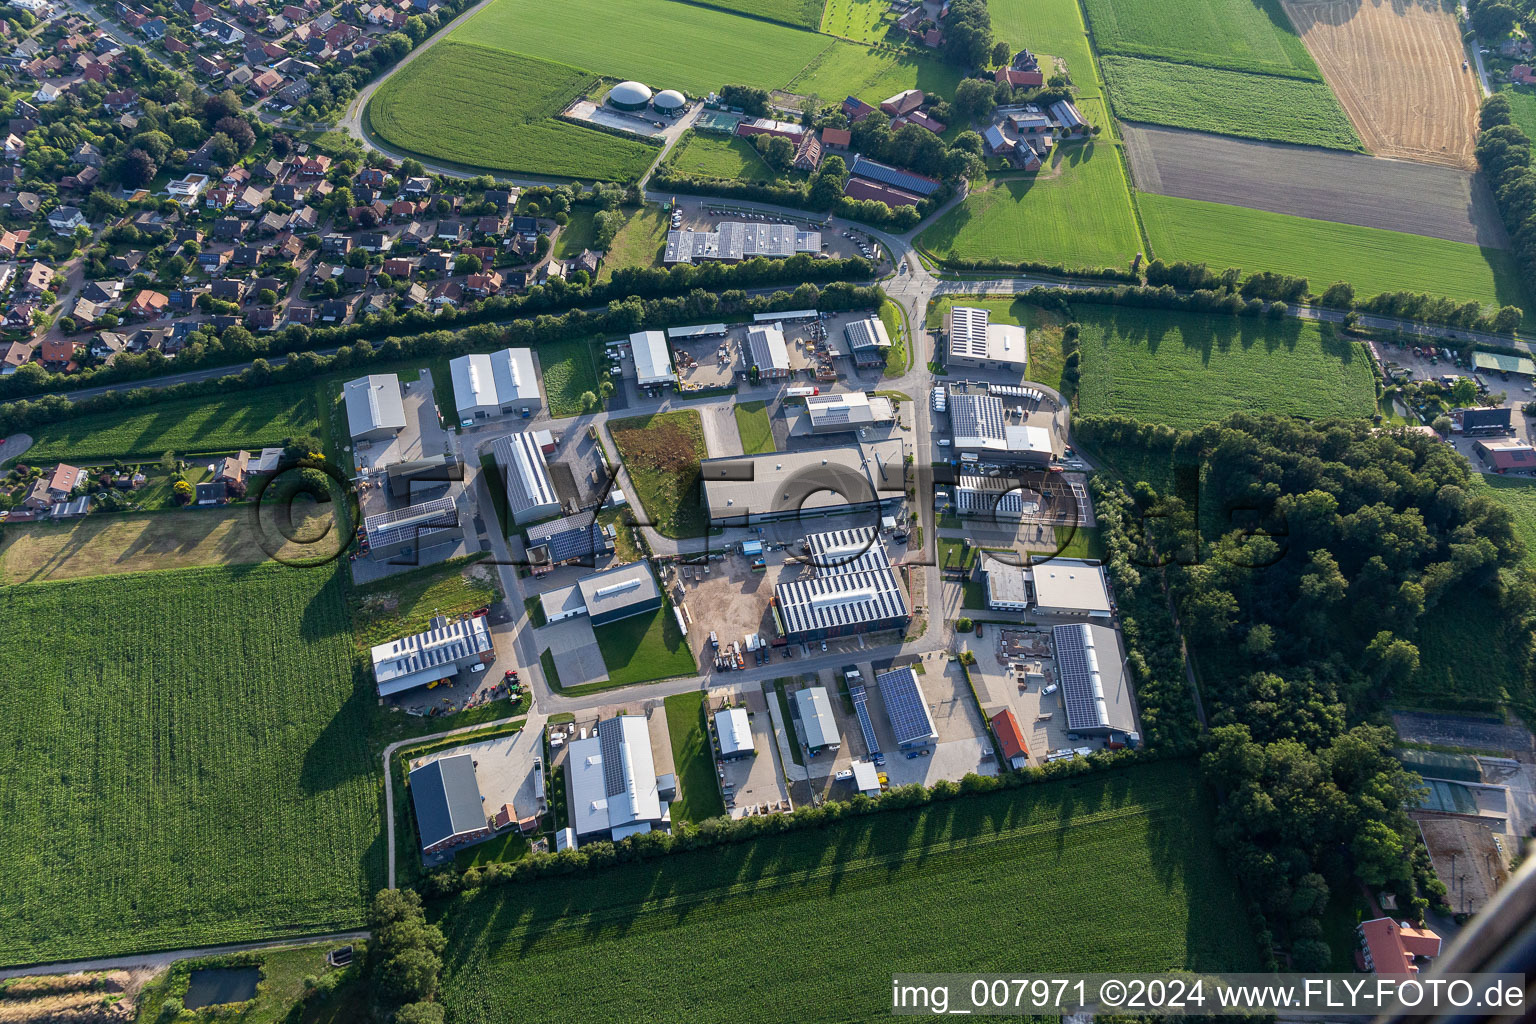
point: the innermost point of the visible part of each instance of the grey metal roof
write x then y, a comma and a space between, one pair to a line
447, 799
976, 416
374, 403
854, 584
417, 659
766, 343
906, 706
615, 589
613, 778
817, 725
1082, 678
740, 240
527, 473
416, 522
867, 333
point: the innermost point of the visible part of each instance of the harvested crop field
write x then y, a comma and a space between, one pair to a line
1396, 68
1394, 195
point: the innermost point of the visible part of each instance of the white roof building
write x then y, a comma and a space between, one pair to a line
1067, 586
653, 359
975, 341
767, 350
614, 791
375, 409
437, 653
493, 384
530, 492
818, 729
734, 730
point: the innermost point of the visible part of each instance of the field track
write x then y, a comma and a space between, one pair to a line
1396, 195
1396, 68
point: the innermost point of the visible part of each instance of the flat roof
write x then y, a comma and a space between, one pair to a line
907, 707
1072, 585
561, 603
374, 403
434, 653
849, 410
734, 729
817, 726
1006, 584
866, 779
494, 379
618, 588
446, 796
653, 359
740, 240
810, 479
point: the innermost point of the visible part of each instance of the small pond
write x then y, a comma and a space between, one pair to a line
214, 986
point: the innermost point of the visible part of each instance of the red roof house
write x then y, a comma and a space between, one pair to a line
1390, 947
1011, 738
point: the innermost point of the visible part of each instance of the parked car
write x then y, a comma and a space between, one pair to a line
844, 775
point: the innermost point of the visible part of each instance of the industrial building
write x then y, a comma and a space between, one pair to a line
1503, 363
1007, 586
697, 332
375, 409
530, 492
975, 341
412, 479
736, 240
629, 96
1093, 682
853, 589
818, 729
653, 359
767, 351
907, 707
777, 486
990, 497
1486, 421
437, 653
408, 530
733, 731
1506, 454
1011, 739
868, 341
620, 592
1068, 586
495, 384
669, 103
449, 809
849, 411
612, 785
980, 428
575, 539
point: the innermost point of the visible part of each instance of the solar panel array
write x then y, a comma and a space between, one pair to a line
860, 698
875, 171
854, 585
414, 523
574, 537
906, 706
976, 416
609, 742
1082, 686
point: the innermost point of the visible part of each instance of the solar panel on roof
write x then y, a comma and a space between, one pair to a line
860, 701
906, 706
1082, 686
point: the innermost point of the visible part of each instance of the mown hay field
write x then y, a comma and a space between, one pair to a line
873, 73
810, 925
639, 242
1078, 213
800, 13
1228, 102
1324, 251
1244, 35
184, 761
710, 156
437, 106
661, 453
1186, 369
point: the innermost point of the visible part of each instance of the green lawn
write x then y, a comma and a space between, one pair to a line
567, 371
710, 156
405, 603
1080, 218
665, 44
576, 235
1228, 102
1518, 494
512, 845
1050, 27
214, 423
436, 106
1468, 661
1130, 852
198, 773
755, 429
662, 453
1044, 330
642, 648
1186, 369
863, 21
1245, 35
1522, 105
800, 13
282, 995
698, 793
1323, 251
873, 73
897, 358
639, 242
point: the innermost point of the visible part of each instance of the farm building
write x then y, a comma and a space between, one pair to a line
856, 109
907, 707
437, 653
767, 126
1093, 681
408, 530
1023, 71
885, 174
1067, 586
767, 351
848, 411
669, 102
747, 490
1506, 454
1498, 362
530, 492
576, 539
868, 341
808, 152
818, 729
449, 808
375, 409
1007, 586
861, 188
618, 593
977, 342
980, 428
854, 590
1392, 948
613, 789
735, 240
629, 96
1486, 421
903, 103
699, 332
836, 139
495, 384
733, 730
653, 359
1066, 115
1011, 739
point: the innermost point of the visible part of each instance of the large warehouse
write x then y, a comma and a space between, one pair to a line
530, 492
977, 342
736, 240
438, 653
767, 351
375, 410
1092, 674
495, 384
777, 486
817, 729
449, 808
618, 593
612, 785
410, 529
981, 428
653, 359
907, 707
1067, 586
854, 590
847, 411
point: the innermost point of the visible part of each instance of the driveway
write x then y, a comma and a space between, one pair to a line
573, 645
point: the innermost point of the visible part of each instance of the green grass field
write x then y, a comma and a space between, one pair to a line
199, 773
710, 156
1050, 27
1046, 358
1081, 218
692, 759
1323, 251
1228, 102
753, 425
801, 13
1522, 105
436, 106
639, 242
662, 454
980, 881
576, 235
1518, 494
658, 42
567, 370
1245, 35
282, 996
241, 419
863, 21
642, 648
873, 73
406, 602
1470, 660
1186, 369
897, 357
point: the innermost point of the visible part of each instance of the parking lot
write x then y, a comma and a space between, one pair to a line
751, 785
963, 746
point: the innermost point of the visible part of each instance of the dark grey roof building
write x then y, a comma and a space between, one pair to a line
449, 808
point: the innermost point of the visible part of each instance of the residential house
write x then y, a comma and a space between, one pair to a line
38, 279
106, 345
14, 356
103, 292
903, 103
147, 303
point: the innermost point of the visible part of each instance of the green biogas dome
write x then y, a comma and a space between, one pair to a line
629, 96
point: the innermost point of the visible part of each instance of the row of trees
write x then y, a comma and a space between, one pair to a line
1504, 154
